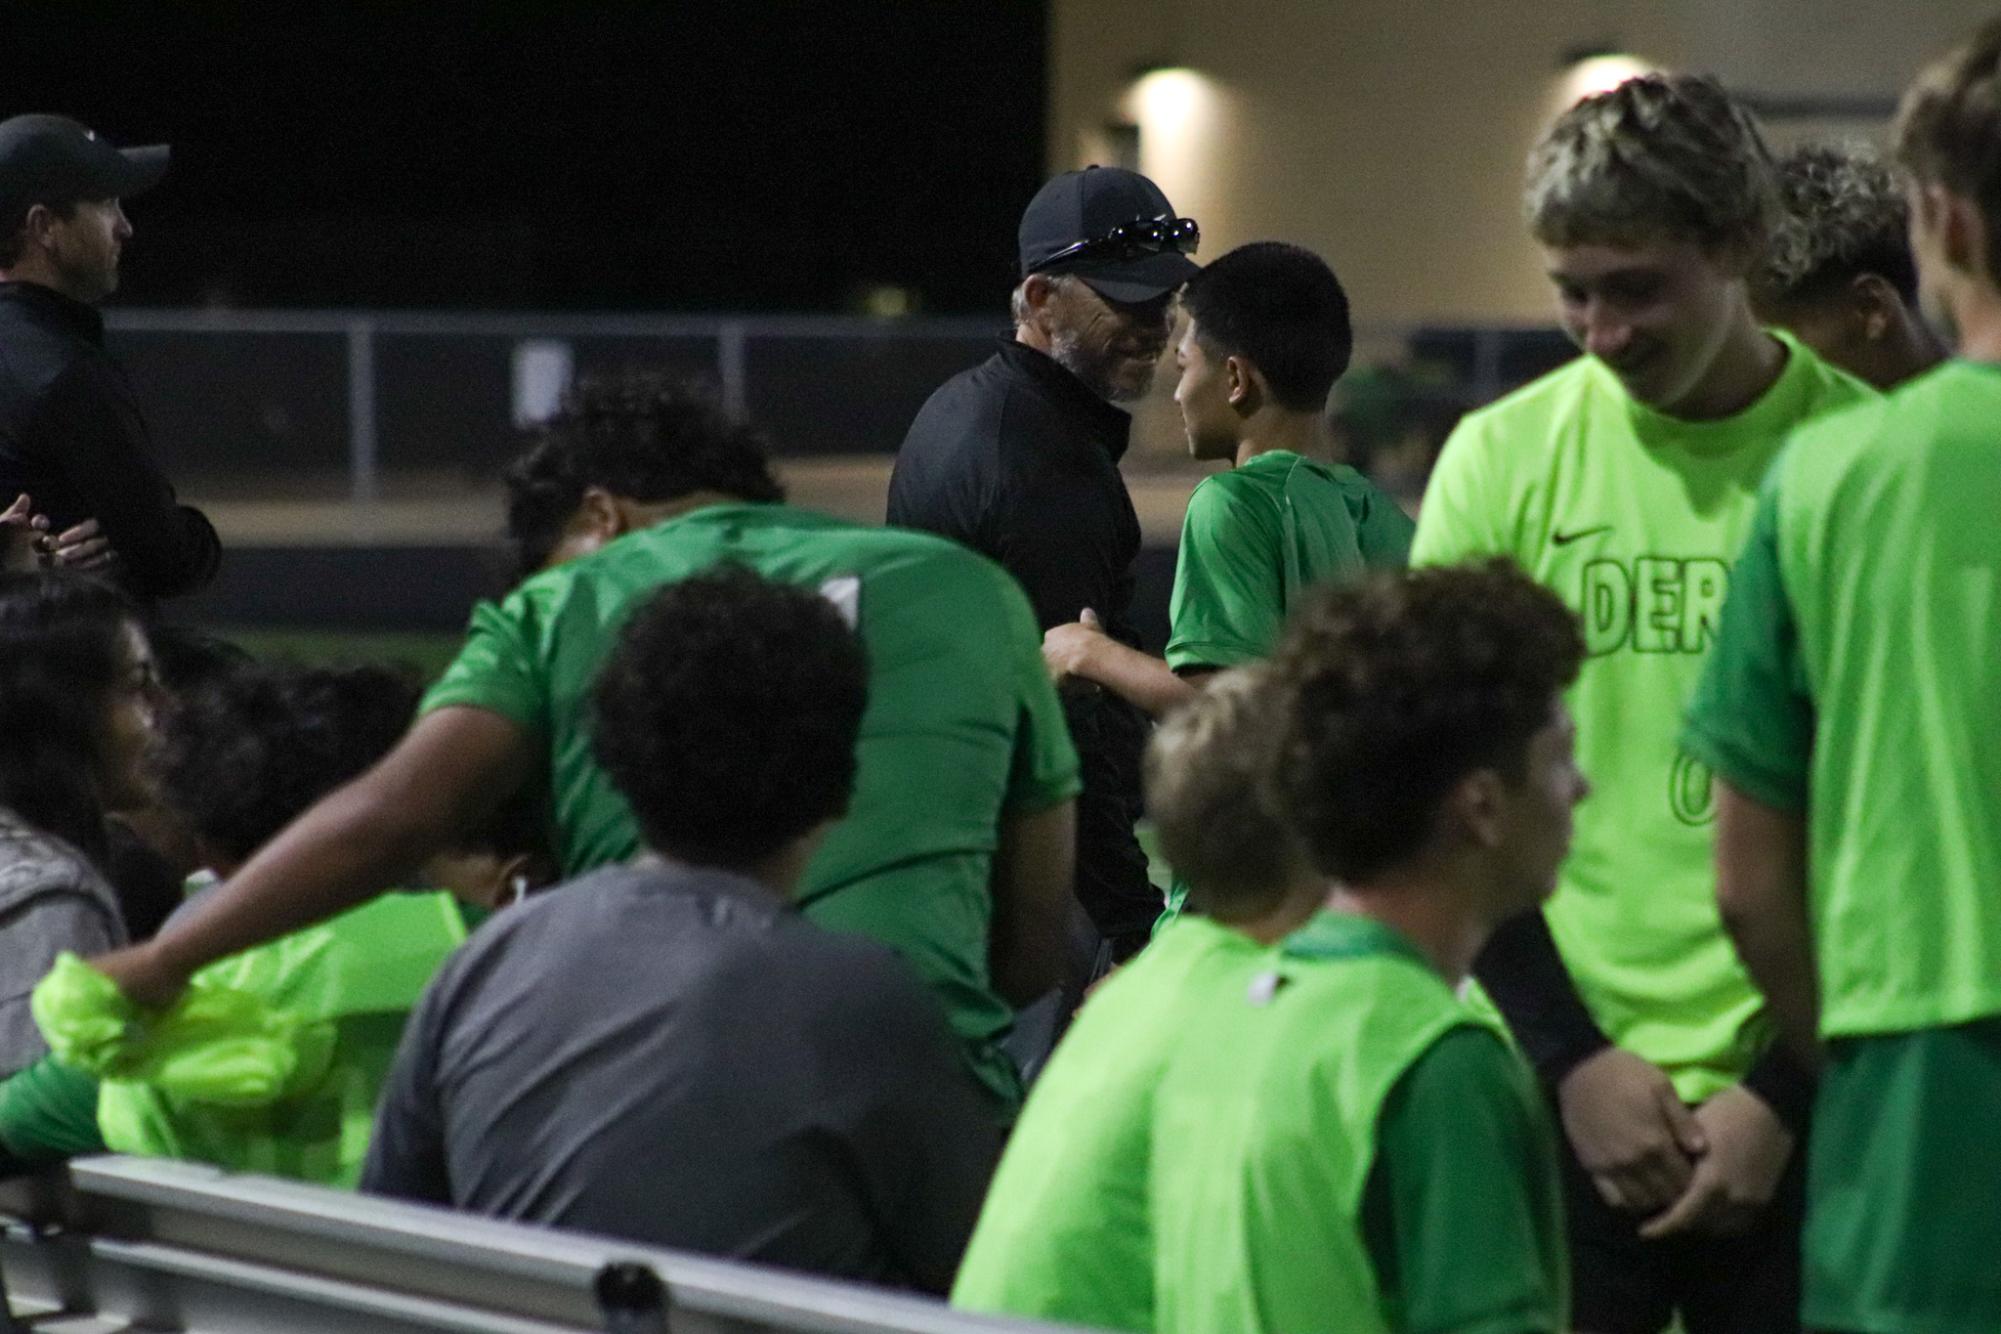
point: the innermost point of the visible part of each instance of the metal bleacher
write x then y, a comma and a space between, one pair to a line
114, 1244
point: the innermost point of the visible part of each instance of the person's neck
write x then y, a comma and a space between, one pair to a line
1301, 901
1749, 362
40, 275
779, 871
1030, 336
1978, 317
646, 513
1427, 903
1301, 433
1907, 349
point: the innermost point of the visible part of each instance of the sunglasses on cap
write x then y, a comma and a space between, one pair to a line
1132, 240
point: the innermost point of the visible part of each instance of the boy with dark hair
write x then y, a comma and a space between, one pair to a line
960, 846
1065, 1234
1341, 1145
669, 1052
1267, 336
1839, 275
1849, 710
1625, 482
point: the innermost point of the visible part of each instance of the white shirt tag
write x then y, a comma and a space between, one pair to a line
845, 592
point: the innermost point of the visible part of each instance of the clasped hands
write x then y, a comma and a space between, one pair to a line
1709, 1169
27, 544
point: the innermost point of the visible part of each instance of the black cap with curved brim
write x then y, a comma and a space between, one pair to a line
52, 159
1084, 205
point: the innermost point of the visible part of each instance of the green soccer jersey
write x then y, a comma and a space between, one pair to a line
1341, 1146
1858, 678
1255, 539
1634, 519
1064, 1233
962, 727
1258, 536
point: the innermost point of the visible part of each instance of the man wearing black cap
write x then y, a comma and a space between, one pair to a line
1018, 459
71, 438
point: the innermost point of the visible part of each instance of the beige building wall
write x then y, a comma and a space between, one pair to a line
1389, 134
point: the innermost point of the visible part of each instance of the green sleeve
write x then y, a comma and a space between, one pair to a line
1383, 530
1044, 769
48, 1112
1228, 602
498, 669
1461, 1214
1751, 718
1463, 515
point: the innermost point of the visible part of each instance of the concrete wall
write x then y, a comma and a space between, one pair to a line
1389, 134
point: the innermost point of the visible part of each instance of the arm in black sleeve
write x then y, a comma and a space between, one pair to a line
1523, 973
1783, 1084
91, 428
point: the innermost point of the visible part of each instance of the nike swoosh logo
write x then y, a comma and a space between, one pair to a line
1562, 539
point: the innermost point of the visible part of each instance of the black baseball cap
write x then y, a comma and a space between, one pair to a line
1081, 206
52, 159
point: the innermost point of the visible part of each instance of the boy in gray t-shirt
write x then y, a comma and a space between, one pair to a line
669, 1052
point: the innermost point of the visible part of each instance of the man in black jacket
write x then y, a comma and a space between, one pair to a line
71, 437
1018, 459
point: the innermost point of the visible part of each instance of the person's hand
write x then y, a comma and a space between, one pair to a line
145, 978
1067, 649
1631, 1132
1748, 1150
84, 547
21, 533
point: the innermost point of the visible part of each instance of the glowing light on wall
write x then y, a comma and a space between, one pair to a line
1177, 111
1601, 73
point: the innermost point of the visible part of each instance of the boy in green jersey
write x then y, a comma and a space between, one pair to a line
1342, 1145
1839, 274
1064, 1234
1849, 711
1267, 336
957, 849
1625, 483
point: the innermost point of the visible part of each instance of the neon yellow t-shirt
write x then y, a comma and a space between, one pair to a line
1858, 678
1064, 1234
1634, 519
1342, 1147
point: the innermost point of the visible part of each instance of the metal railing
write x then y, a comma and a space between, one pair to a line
359, 394
153, 1244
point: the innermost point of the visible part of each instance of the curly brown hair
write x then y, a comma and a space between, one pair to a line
1844, 216
638, 434
1662, 153
729, 713
1948, 129
1401, 685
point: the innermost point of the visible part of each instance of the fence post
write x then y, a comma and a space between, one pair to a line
1486, 365
730, 353
362, 460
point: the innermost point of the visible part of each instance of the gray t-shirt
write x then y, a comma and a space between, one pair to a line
51, 899
677, 1058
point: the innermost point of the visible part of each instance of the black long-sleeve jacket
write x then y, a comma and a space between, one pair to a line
71, 437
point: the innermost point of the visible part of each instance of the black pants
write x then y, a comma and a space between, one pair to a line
1622, 1283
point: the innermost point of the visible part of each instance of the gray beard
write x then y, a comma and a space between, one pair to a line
1094, 370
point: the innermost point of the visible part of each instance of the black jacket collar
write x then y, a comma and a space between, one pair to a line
1110, 426
45, 305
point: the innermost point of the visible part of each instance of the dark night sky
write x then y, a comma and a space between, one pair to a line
760, 154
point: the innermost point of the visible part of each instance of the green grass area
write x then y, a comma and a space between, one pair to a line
424, 651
